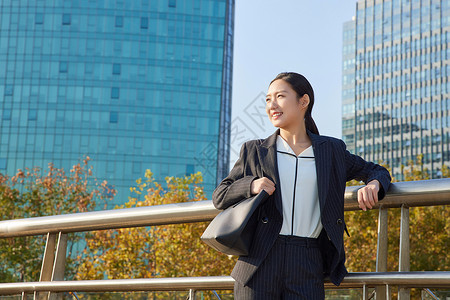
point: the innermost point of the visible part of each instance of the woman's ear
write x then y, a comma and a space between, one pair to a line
304, 101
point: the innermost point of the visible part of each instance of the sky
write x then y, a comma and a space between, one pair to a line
286, 35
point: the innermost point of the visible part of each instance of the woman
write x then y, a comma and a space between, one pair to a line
299, 236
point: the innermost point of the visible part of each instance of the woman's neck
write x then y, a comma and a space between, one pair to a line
296, 135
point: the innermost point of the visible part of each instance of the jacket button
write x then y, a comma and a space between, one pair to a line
339, 221
265, 220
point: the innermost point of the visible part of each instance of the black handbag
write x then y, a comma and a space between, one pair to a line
231, 231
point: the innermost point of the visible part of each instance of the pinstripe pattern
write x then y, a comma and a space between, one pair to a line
291, 270
334, 166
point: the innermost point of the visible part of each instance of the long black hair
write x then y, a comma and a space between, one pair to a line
301, 86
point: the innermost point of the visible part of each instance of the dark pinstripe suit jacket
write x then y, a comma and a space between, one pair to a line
334, 166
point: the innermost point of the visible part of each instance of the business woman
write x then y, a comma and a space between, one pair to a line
299, 235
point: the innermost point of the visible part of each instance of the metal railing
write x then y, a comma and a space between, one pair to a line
400, 195
352, 280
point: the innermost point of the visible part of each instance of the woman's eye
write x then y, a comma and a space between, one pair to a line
267, 99
279, 96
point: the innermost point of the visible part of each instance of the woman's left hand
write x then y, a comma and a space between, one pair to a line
368, 195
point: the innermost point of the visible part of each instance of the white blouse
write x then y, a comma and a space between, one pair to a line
299, 193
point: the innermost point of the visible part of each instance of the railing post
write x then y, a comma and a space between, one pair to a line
53, 264
404, 263
47, 264
382, 249
49, 257
365, 292
60, 264
60, 259
388, 292
191, 294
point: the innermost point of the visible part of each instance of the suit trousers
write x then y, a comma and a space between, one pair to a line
293, 269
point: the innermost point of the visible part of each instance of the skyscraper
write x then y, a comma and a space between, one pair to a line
396, 87
134, 84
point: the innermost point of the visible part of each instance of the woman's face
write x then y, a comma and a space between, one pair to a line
283, 106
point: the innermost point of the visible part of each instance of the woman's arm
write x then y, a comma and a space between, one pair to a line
376, 177
236, 186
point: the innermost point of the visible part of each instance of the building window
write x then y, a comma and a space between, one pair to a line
116, 69
172, 3
88, 68
66, 19
39, 19
9, 90
144, 23
113, 117
112, 142
136, 167
32, 115
189, 169
139, 119
117, 48
3, 163
137, 143
6, 114
192, 122
62, 67
115, 93
119, 21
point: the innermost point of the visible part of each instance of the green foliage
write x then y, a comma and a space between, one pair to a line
33, 193
158, 251
429, 229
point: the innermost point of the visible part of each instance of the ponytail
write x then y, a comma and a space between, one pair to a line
310, 124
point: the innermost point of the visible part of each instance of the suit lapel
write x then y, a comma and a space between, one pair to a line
267, 153
322, 154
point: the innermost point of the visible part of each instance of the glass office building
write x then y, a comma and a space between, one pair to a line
134, 84
348, 85
396, 87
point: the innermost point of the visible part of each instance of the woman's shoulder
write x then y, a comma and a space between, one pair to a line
333, 140
253, 143
268, 141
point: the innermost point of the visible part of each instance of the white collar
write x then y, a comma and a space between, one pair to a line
284, 147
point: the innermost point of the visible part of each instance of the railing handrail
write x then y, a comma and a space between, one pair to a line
352, 280
412, 193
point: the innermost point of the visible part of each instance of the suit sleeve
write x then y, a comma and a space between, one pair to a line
359, 169
236, 186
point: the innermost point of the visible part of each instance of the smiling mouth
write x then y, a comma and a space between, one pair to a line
276, 115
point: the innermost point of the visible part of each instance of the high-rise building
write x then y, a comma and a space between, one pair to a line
396, 83
348, 84
134, 84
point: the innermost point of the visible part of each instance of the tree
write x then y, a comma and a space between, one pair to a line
176, 250
429, 229
33, 193
158, 251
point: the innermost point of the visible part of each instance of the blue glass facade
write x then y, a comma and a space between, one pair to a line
348, 85
397, 93
134, 84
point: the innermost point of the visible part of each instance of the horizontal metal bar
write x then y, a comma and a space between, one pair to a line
108, 219
410, 279
412, 193
121, 285
404, 279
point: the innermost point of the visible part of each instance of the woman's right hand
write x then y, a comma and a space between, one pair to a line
260, 184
